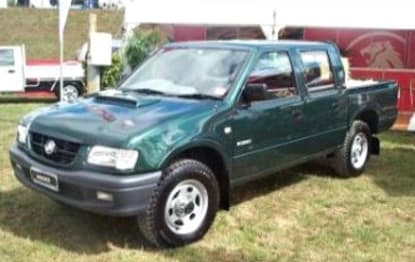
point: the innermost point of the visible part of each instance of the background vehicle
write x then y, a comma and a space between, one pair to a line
17, 76
195, 120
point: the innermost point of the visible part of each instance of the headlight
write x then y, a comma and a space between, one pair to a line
121, 159
21, 134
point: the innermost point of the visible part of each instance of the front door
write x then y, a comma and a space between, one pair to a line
267, 131
11, 69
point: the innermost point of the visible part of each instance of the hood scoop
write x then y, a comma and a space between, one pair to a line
117, 97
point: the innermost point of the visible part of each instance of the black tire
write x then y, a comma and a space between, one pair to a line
343, 157
153, 224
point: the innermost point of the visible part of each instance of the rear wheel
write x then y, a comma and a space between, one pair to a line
351, 160
183, 206
71, 92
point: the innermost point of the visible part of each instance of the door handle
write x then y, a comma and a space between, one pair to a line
11, 71
297, 114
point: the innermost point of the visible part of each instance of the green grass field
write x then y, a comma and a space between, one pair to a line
303, 214
37, 29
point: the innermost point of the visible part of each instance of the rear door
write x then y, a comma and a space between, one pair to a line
11, 69
267, 132
325, 110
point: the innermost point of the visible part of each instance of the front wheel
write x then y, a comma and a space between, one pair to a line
183, 206
351, 160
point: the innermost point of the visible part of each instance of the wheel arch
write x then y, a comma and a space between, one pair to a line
371, 117
79, 84
211, 155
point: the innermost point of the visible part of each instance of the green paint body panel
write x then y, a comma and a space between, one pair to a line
163, 127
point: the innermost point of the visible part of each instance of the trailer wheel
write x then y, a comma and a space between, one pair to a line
71, 92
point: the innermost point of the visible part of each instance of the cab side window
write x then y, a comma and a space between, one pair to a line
6, 57
317, 70
274, 71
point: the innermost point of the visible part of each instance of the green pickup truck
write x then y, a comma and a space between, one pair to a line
195, 120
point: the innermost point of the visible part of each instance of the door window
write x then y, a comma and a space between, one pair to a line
275, 72
317, 70
6, 57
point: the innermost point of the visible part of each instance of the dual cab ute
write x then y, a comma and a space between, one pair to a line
195, 120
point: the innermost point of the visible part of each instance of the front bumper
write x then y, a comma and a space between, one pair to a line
130, 194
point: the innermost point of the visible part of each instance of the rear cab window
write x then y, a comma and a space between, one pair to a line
318, 74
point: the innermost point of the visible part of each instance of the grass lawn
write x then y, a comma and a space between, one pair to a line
303, 214
37, 29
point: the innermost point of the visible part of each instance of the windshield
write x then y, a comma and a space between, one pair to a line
206, 72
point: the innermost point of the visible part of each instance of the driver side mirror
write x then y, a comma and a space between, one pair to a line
254, 92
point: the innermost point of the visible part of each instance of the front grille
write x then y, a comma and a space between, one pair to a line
64, 153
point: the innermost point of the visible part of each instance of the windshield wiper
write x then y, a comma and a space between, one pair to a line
199, 96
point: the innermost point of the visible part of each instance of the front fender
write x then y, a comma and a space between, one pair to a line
156, 145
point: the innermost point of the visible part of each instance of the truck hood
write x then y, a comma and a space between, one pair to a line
111, 119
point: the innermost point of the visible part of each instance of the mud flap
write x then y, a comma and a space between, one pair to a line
375, 149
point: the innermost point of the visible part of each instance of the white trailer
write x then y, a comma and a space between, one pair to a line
17, 76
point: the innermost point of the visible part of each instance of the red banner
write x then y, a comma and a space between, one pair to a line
377, 54
371, 48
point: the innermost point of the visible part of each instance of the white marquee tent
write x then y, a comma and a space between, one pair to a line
273, 15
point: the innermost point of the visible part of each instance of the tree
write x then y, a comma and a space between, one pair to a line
139, 46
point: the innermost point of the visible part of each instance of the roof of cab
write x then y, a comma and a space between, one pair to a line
249, 44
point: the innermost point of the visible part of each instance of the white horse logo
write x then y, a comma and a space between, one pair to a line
382, 54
